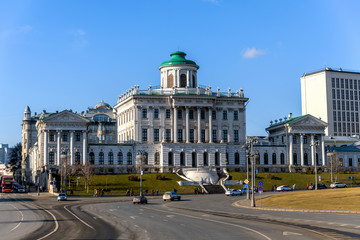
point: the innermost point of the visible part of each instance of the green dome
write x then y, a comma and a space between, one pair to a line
178, 58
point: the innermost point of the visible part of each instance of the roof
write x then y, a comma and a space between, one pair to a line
330, 70
291, 120
178, 58
350, 148
102, 104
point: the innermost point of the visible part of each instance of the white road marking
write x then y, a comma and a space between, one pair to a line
291, 233
170, 216
82, 221
111, 210
22, 218
343, 225
132, 217
56, 225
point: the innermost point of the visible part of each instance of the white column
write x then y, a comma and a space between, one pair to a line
210, 125
84, 148
312, 151
323, 150
139, 119
175, 124
45, 147
58, 156
187, 124
71, 148
291, 160
188, 78
302, 149
199, 124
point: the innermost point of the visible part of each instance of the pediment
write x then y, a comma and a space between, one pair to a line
308, 121
65, 117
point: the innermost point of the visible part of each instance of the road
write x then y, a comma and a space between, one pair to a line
195, 217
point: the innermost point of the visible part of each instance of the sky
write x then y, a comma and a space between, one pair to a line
57, 55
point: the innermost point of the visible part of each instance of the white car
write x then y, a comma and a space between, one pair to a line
233, 192
171, 196
283, 188
338, 185
62, 197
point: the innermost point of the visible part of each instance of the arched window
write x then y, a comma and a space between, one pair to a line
182, 80
266, 158
217, 159
274, 158
129, 158
171, 159
157, 158
306, 160
92, 158
120, 158
110, 158
77, 158
146, 158
51, 158
193, 82
295, 159
193, 159
182, 159
170, 81
282, 158
101, 158
206, 160
237, 158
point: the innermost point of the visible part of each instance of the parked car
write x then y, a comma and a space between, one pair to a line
244, 190
18, 188
140, 200
283, 188
319, 186
171, 196
233, 192
62, 197
338, 185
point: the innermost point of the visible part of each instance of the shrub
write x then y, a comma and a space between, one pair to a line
133, 178
160, 177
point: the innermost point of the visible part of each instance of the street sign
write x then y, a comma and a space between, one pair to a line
351, 178
246, 185
256, 171
260, 189
51, 183
246, 181
142, 173
260, 184
319, 178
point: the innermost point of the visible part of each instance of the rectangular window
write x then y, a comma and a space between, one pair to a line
356, 106
236, 115
168, 113
168, 135
335, 127
343, 116
225, 135
351, 95
202, 114
214, 136
355, 84
333, 82
347, 94
339, 116
346, 83
224, 115
191, 114
236, 135
342, 94
191, 136
77, 137
179, 113
156, 135
333, 94
294, 139
334, 115
64, 137
351, 84
352, 117
213, 114
342, 83
90, 137
356, 117
352, 106
202, 135
337, 83
156, 113
52, 137
343, 105
347, 105
144, 134
334, 104
338, 94
180, 135
339, 127
144, 113
305, 140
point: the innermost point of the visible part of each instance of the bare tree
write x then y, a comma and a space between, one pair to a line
87, 172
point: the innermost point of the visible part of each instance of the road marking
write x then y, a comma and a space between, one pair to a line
170, 216
357, 227
132, 217
22, 218
343, 225
86, 224
111, 210
56, 225
291, 233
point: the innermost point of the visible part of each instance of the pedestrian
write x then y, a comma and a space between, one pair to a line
157, 192
174, 190
71, 192
146, 192
102, 192
153, 192
94, 192
127, 192
307, 186
131, 192
294, 186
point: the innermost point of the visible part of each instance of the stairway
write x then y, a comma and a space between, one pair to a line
213, 189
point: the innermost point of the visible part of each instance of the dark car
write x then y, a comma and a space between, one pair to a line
140, 199
319, 186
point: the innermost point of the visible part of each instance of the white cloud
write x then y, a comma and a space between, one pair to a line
16, 31
253, 53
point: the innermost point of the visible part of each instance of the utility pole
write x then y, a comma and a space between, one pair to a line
314, 144
247, 176
249, 146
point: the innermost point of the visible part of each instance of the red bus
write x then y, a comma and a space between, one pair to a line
7, 184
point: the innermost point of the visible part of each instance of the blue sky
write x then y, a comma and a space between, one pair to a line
57, 55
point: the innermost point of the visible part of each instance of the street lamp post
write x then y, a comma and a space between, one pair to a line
250, 144
141, 157
315, 144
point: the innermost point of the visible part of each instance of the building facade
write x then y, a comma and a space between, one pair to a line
334, 96
4, 151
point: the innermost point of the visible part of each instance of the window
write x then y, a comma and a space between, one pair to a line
225, 135
182, 80
213, 114
306, 160
110, 158
77, 158
64, 137
51, 158
350, 162
236, 115
274, 158
294, 139
236, 135
157, 158
214, 136
205, 158
170, 159
144, 134
191, 135
170, 81
334, 104
101, 158
305, 140
266, 159
191, 114
237, 158
101, 118
182, 159
180, 135
156, 113
337, 83
282, 158
92, 158
295, 159
168, 135
156, 135
77, 137
333, 82
202, 135
120, 158
179, 112
144, 113
202, 114
52, 137
217, 159
193, 159
224, 115
129, 158
167, 113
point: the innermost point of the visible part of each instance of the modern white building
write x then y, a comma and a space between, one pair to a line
333, 96
4, 151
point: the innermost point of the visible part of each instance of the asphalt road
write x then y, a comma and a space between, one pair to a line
195, 217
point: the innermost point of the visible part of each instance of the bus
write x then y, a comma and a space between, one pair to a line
7, 184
